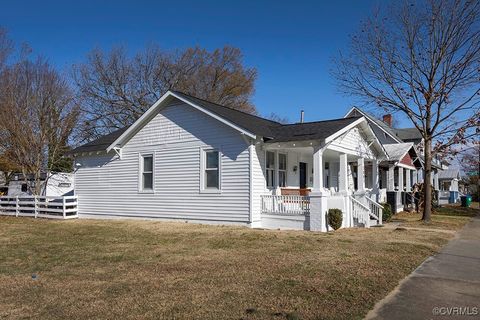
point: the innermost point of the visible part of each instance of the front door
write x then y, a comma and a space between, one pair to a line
303, 175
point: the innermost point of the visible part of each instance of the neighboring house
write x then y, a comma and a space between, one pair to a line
405, 162
449, 185
189, 159
57, 184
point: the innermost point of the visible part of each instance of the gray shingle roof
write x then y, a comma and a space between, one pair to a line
270, 130
257, 125
450, 173
99, 144
409, 134
317, 130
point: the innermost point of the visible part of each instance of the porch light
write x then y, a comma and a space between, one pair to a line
295, 168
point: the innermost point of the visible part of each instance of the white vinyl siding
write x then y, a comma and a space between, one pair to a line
353, 142
108, 186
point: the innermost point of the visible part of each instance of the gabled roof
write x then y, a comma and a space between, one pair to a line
248, 124
379, 123
396, 151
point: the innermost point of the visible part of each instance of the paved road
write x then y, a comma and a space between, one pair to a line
448, 280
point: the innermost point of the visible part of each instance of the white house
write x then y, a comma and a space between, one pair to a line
449, 185
189, 159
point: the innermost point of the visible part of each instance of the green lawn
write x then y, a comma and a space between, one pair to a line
111, 269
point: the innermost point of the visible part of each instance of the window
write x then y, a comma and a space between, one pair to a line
270, 169
24, 187
147, 172
211, 170
282, 170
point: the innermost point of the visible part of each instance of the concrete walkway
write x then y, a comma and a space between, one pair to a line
448, 280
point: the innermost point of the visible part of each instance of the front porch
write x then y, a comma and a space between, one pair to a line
304, 180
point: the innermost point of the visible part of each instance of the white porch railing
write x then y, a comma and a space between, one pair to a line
360, 212
376, 210
288, 204
40, 206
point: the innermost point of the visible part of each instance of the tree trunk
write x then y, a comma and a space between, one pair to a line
427, 186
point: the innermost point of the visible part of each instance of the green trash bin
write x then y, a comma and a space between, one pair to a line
466, 201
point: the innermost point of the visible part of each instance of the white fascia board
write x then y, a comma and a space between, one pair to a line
153, 108
213, 115
350, 111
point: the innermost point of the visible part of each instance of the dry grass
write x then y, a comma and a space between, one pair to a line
156, 270
445, 218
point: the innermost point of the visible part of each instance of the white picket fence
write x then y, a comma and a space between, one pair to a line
40, 206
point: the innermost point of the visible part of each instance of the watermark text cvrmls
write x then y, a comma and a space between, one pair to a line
456, 311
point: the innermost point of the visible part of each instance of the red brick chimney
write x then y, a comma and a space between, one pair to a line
387, 118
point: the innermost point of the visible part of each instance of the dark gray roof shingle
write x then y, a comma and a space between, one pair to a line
99, 144
409, 134
317, 130
252, 123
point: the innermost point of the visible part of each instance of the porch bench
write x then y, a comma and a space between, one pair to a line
295, 191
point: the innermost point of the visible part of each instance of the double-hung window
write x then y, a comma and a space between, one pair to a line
146, 172
282, 170
211, 170
270, 168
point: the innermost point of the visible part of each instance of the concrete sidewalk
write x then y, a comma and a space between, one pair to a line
448, 280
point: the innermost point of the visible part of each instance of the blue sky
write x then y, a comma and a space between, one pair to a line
290, 43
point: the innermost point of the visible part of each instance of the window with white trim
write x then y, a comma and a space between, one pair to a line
282, 170
270, 168
147, 172
211, 170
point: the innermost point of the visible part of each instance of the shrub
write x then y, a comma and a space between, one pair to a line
335, 217
387, 212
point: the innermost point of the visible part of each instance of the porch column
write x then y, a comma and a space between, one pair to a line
343, 174
318, 196
375, 181
407, 180
391, 178
435, 181
318, 169
415, 177
400, 179
361, 175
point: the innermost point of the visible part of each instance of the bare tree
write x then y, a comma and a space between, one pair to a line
6, 47
37, 117
420, 59
117, 89
278, 118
